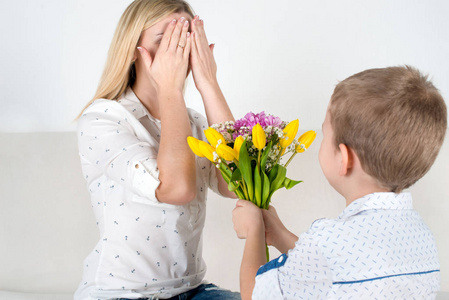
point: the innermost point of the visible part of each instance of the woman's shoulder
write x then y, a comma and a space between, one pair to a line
102, 106
104, 111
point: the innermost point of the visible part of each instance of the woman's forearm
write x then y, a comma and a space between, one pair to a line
215, 105
217, 111
176, 162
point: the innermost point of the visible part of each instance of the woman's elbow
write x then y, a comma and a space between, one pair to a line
178, 194
186, 194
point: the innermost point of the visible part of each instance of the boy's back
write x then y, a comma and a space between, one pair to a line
379, 247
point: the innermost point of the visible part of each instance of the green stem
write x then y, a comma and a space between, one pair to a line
279, 156
267, 252
244, 189
239, 193
224, 172
290, 159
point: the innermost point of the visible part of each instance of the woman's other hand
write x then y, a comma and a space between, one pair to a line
202, 59
169, 67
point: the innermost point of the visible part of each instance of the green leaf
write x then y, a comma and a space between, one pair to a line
272, 174
233, 182
289, 183
246, 170
225, 176
265, 154
225, 168
232, 186
278, 181
236, 175
265, 190
257, 187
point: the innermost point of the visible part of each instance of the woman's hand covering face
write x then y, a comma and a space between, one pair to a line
202, 59
169, 66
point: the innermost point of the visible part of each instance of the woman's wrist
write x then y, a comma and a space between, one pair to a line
164, 89
211, 89
165, 94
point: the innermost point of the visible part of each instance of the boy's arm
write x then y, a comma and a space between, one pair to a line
276, 234
254, 256
248, 224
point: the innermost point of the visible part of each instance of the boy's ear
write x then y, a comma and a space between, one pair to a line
346, 159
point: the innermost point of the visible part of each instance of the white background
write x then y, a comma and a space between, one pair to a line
284, 57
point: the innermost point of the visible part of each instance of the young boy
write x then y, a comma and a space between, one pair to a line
382, 132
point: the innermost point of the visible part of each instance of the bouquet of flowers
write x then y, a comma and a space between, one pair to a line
248, 153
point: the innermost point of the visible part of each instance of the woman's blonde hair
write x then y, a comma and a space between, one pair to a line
119, 71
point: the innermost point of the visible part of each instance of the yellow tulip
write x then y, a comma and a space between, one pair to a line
238, 144
226, 152
207, 150
290, 132
194, 145
305, 140
259, 138
213, 136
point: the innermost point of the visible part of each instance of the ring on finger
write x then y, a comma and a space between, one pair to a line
181, 46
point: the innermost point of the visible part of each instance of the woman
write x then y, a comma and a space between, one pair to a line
147, 189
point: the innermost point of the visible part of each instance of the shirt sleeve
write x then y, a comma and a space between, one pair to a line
213, 179
200, 124
303, 274
108, 142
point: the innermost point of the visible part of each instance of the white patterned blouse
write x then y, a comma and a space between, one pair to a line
146, 248
378, 248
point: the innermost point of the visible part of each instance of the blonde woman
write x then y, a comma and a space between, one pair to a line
148, 190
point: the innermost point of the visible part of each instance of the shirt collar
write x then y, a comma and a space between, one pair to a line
130, 101
378, 201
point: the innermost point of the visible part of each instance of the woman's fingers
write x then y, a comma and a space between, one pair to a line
176, 35
188, 46
183, 39
146, 57
194, 50
165, 42
199, 30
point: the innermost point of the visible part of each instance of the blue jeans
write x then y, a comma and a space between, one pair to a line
205, 292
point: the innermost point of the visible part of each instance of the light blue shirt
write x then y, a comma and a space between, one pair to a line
378, 248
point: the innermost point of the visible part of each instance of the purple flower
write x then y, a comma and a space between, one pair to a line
246, 124
252, 119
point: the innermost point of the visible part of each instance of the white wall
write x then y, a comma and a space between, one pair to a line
282, 56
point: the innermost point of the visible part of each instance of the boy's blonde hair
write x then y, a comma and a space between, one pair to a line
394, 119
119, 70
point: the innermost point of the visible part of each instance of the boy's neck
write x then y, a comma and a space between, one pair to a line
358, 186
363, 191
